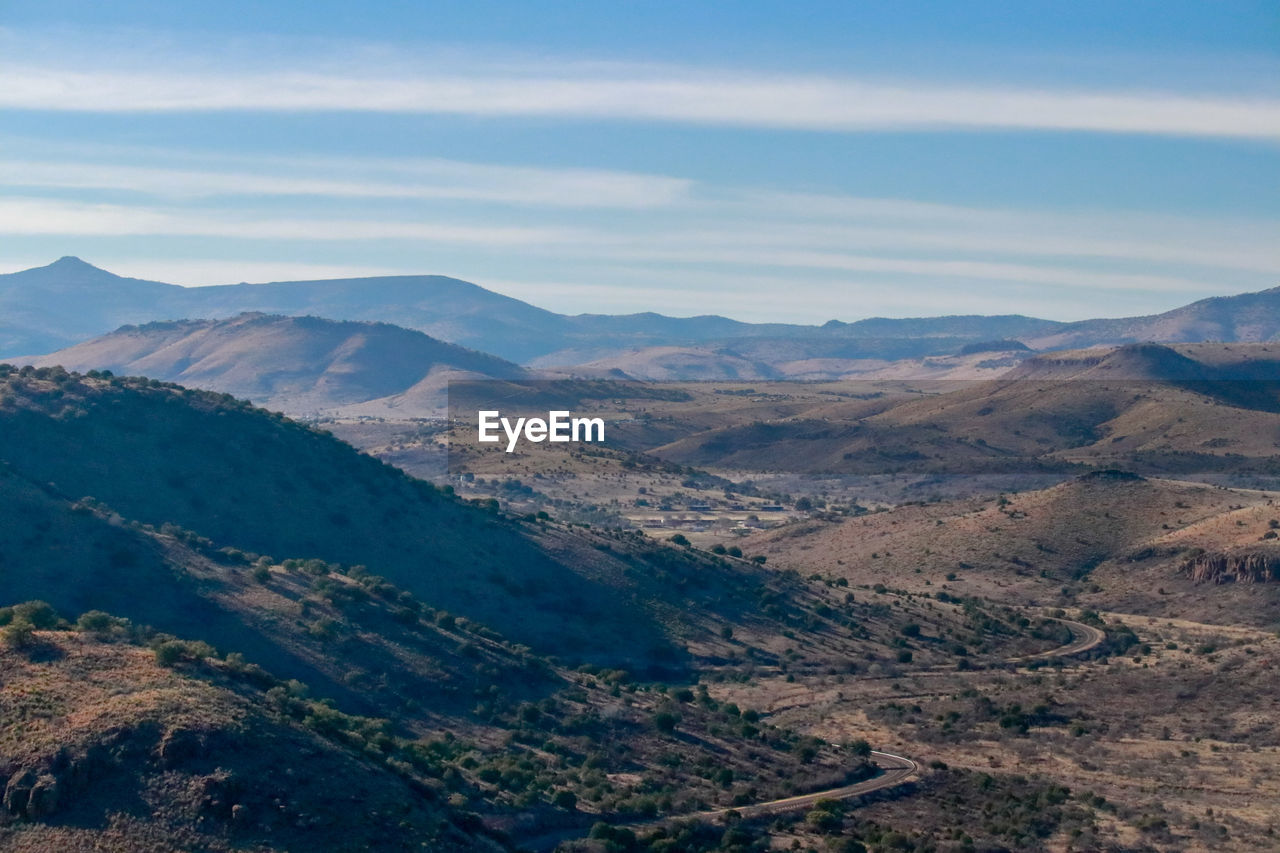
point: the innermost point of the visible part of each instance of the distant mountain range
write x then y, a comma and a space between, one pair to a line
70, 301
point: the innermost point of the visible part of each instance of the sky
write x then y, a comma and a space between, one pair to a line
769, 161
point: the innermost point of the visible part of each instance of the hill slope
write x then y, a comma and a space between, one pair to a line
1108, 540
290, 364
104, 749
1199, 408
162, 454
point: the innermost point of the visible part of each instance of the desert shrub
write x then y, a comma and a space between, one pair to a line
665, 721
171, 652
18, 634
40, 614
104, 625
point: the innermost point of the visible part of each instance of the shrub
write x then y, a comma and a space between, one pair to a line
860, 748
18, 634
40, 614
170, 652
680, 539
665, 721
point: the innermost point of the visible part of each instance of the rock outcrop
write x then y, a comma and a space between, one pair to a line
1240, 567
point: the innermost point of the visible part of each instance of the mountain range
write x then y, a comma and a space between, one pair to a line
70, 301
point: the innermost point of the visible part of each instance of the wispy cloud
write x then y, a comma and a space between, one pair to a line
684, 215
670, 94
34, 216
413, 179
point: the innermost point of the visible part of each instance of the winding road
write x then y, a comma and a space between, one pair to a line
897, 769
1083, 638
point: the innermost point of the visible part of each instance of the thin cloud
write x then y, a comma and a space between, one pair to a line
49, 217
709, 216
416, 180
664, 95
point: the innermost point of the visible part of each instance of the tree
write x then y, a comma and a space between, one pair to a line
680, 539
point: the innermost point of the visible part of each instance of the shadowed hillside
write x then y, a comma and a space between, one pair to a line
163, 454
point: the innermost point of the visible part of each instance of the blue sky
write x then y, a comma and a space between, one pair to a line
767, 161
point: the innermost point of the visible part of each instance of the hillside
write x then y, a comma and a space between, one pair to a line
298, 365
1108, 540
1199, 409
160, 454
104, 748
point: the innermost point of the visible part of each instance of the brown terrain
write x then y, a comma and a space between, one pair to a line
703, 635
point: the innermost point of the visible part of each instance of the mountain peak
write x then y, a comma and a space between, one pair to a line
71, 262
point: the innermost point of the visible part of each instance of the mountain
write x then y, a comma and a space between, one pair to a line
1246, 317
292, 364
70, 301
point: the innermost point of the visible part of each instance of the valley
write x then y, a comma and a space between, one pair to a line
994, 600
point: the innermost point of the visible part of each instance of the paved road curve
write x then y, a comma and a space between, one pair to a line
897, 769
1083, 638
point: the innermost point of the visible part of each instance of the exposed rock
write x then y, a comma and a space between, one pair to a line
1242, 567
43, 799
18, 792
179, 746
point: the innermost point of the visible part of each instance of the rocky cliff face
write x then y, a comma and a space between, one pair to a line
1240, 567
